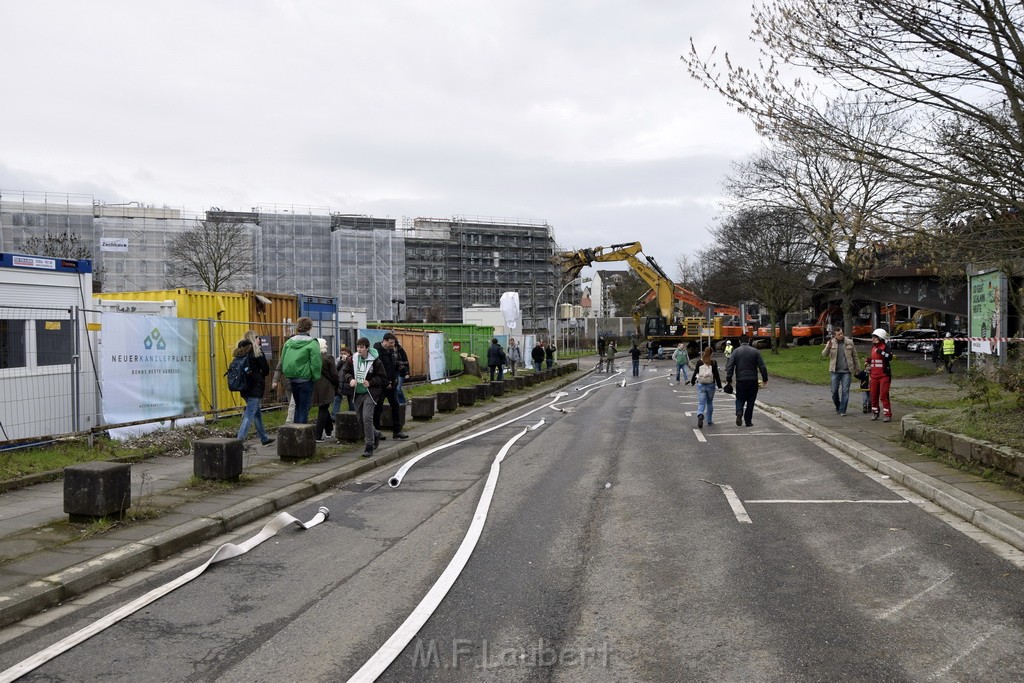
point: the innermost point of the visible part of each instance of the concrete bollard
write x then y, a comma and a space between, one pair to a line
467, 396
295, 442
483, 391
385, 417
498, 387
217, 458
97, 489
422, 407
447, 401
347, 427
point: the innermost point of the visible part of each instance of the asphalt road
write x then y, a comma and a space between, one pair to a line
611, 551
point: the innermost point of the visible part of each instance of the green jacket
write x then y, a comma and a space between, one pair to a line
300, 358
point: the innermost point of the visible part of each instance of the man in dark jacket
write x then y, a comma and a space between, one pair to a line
365, 374
538, 356
253, 393
496, 359
386, 355
746, 362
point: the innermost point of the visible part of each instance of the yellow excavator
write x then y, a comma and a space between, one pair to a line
664, 328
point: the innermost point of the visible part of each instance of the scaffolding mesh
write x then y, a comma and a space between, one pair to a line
370, 267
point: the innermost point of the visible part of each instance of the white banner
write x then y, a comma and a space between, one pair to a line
113, 244
147, 367
436, 365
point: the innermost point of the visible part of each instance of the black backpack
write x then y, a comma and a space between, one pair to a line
238, 373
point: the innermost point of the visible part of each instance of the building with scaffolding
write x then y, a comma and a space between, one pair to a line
431, 268
454, 263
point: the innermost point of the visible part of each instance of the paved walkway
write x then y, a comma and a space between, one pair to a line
44, 561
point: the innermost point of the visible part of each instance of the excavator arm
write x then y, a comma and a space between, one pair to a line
572, 262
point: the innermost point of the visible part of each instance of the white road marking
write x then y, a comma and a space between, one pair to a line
974, 645
755, 434
700, 435
914, 598
736, 504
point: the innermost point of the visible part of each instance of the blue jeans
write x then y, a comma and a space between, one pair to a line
398, 388
302, 392
841, 390
682, 369
706, 400
536, 365
252, 415
551, 362
636, 367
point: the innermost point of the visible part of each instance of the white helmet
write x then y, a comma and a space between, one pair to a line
880, 333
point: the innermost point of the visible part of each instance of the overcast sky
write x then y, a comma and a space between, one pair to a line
575, 112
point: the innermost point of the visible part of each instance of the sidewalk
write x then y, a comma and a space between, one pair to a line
43, 564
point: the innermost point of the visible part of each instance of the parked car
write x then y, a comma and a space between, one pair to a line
904, 339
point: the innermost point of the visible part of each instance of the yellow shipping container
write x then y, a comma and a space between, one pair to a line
223, 318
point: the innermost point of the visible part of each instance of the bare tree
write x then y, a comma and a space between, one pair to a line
948, 70
65, 245
218, 254
844, 206
770, 252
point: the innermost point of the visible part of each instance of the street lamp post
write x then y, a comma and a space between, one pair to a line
566, 286
398, 308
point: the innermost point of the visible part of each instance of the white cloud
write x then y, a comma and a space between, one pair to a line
577, 112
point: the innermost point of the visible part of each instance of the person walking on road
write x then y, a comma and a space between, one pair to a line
681, 357
365, 374
746, 363
842, 364
880, 375
706, 377
634, 352
253, 392
610, 351
728, 349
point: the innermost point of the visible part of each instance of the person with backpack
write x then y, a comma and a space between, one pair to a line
496, 360
324, 392
681, 357
253, 366
707, 379
301, 364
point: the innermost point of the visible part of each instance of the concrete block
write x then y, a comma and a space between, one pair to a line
447, 401
962, 447
295, 442
498, 388
217, 458
423, 407
97, 489
467, 396
385, 417
942, 440
347, 427
483, 391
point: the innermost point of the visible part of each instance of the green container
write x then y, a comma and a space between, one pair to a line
471, 339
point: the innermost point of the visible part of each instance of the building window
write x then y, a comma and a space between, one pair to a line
54, 343
12, 343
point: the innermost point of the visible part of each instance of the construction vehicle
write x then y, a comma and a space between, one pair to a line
664, 328
814, 333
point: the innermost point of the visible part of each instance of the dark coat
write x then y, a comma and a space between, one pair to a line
537, 354
402, 359
327, 385
495, 355
389, 360
260, 370
377, 377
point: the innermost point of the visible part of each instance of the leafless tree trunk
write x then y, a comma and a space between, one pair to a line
218, 254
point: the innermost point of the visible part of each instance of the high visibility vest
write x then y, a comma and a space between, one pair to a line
948, 348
